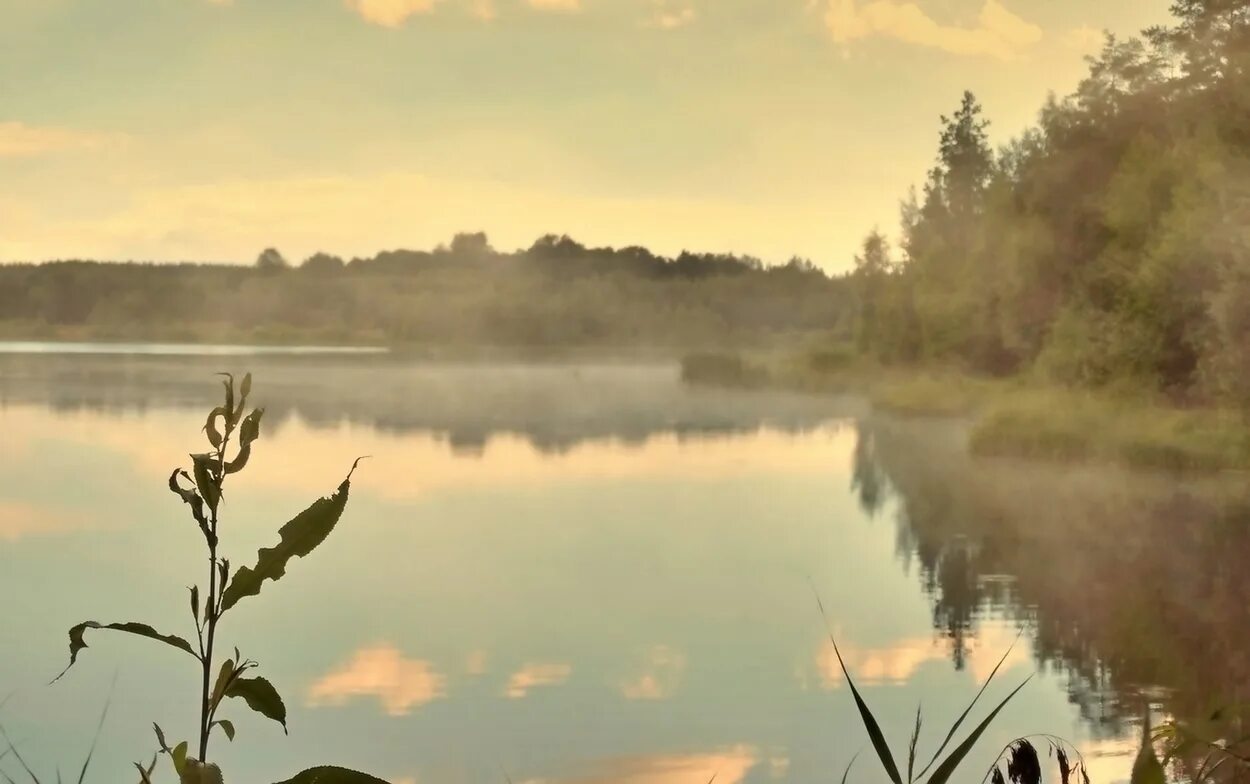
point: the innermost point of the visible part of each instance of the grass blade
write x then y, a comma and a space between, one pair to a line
849, 765
911, 748
959, 722
82, 775
865, 715
18, 756
943, 772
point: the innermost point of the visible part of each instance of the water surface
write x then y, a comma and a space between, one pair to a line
563, 573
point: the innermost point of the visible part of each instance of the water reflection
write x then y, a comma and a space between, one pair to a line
611, 585
1129, 584
553, 407
381, 671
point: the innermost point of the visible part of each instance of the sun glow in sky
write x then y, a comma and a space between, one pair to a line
208, 129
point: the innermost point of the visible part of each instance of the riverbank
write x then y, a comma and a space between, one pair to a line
1016, 417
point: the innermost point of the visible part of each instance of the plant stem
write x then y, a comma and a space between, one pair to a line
210, 612
211, 621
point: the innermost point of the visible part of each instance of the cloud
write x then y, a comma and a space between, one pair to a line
567, 6
534, 675
897, 663
670, 15
390, 13
19, 140
381, 671
998, 33
659, 677
727, 766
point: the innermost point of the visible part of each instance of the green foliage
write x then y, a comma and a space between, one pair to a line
945, 766
558, 294
1106, 245
202, 491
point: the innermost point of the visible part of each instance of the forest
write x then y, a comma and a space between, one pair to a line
557, 293
1108, 246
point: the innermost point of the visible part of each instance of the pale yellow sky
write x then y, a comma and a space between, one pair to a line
208, 129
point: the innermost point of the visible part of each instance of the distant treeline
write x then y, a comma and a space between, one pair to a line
556, 293
1109, 245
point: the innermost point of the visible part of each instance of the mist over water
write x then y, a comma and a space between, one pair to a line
589, 573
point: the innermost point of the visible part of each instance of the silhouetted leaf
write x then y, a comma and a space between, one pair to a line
205, 470
299, 537
210, 427
223, 680
145, 774
77, 643
190, 497
160, 738
249, 429
1024, 767
332, 775
959, 721
228, 383
870, 722
911, 748
1065, 767
227, 727
260, 696
195, 602
943, 772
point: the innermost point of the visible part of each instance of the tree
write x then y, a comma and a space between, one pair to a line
321, 264
270, 260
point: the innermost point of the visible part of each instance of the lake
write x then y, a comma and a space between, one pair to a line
589, 573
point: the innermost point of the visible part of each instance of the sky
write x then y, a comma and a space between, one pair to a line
207, 130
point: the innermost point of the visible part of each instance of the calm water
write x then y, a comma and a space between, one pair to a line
584, 574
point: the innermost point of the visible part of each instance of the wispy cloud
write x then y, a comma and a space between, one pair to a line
998, 32
390, 13
19, 140
671, 14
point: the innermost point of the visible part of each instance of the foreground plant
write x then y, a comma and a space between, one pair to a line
938, 769
202, 490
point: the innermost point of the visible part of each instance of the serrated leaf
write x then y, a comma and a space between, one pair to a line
160, 738
299, 537
260, 696
227, 727
205, 472
333, 775
77, 643
179, 757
